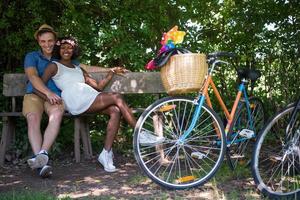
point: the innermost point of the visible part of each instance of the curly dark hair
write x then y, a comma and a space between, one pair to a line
66, 40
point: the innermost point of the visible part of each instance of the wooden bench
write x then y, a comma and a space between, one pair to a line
130, 83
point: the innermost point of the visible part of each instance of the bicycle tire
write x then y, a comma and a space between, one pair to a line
271, 158
180, 169
239, 151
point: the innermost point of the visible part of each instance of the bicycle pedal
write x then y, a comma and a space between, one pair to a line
275, 158
247, 133
185, 179
252, 106
236, 156
198, 155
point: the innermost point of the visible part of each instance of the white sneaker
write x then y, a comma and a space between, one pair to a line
198, 155
38, 161
106, 160
148, 139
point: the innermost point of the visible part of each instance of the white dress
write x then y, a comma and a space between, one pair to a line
76, 94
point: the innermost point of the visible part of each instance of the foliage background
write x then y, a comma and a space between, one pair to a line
265, 35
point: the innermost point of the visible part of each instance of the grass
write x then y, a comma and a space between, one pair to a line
137, 179
234, 185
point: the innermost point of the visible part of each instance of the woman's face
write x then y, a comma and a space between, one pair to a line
66, 51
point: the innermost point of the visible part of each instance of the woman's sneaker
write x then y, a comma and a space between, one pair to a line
45, 171
38, 161
106, 160
148, 139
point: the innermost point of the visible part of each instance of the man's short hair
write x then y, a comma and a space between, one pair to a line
45, 28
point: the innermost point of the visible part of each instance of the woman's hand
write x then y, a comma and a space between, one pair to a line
119, 70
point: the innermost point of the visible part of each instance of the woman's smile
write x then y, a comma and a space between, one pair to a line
66, 51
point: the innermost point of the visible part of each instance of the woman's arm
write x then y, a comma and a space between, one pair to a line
50, 71
90, 68
93, 83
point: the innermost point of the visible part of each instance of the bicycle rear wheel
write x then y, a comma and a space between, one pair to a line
276, 157
241, 136
176, 164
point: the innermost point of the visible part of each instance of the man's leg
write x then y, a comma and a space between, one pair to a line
34, 132
33, 107
55, 114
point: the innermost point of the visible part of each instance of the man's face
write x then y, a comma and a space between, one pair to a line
46, 42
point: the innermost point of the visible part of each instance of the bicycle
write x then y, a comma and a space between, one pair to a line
276, 156
194, 136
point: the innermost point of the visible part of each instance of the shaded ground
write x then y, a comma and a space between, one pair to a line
88, 179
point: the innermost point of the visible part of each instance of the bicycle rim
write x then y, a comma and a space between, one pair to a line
176, 165
276, 158
241, 145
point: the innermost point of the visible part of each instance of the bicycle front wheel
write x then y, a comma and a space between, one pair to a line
169, 160
243, 132
276, 157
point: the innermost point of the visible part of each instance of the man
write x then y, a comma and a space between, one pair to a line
33, 105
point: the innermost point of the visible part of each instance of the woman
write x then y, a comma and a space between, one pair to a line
81, 93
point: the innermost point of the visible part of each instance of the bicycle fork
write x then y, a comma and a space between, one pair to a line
199, 103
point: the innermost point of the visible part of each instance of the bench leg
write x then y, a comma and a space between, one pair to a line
158, 129
77, 139
81, 130
7, 134
85, 137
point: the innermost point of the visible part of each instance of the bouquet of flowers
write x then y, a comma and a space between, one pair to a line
171, 44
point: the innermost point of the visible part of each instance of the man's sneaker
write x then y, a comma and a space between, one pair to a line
45, 171
148, 139
38, 161
106, 160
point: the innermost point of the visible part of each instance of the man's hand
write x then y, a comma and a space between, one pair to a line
53, 98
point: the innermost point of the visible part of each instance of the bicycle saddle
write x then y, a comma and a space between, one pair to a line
251, 74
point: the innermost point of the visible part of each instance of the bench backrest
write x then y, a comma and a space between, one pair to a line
130, 83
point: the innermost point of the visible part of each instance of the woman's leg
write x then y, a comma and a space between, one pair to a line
106, 156
104, 100
113, 125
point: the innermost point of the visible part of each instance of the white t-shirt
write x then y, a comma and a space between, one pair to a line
76, 94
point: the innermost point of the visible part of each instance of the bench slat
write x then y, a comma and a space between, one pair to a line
11, 114
130, 83
66, 114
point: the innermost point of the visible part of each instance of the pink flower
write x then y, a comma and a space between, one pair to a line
150, 65
71, 42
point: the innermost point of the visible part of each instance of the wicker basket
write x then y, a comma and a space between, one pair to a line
184, 73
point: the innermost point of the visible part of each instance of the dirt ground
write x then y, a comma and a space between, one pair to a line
88, 179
